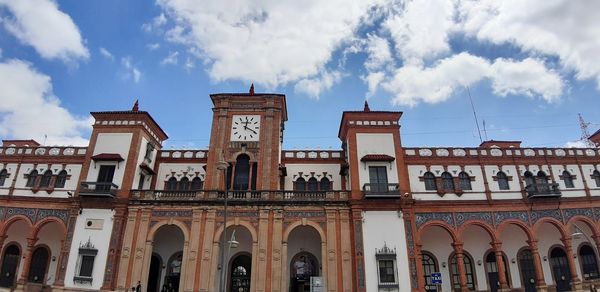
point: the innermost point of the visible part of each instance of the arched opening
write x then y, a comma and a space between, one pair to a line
429, 179
465, 181
39, 265
51, 235
240, 273
430, 266
300, 184
312, 184
154, 277
242, 173
10, 263
491, 267
168, 244
527, 269
61, 179
172, 184
31, 178
469, 272
514, 238
304, 257
3, 176
197, 184
568, 179
502, 180
46, 177
560, 269
184, 184
529, 180
325, 184
437, 242
589, 264
447, 182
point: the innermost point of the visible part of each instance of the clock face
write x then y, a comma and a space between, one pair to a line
245, 128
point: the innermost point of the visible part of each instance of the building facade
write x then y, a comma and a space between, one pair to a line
247, 215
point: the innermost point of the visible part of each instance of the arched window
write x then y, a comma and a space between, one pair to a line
596, 177
447, 181
465, 181
61, 179
31, 178
184, 184
589, 265
300, 184
429, 180
502, 180
39, 265
542, 181
46, 177
312, 184
568, 179
529, 180
325, 184
197, 184
527, 268
3, 176
429, 267
172, 184
491, 266
242, 173
469, 272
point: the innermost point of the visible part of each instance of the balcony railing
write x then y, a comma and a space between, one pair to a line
296, 196
381, 190
98, 189
542, 190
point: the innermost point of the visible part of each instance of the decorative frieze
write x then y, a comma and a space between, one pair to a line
463, 217
540, 214
251, 214
171, 213
422, 218
303, 214
522, 216
570, 213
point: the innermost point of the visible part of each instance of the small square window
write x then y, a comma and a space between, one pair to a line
386, 272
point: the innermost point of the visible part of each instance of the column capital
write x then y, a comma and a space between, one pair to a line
533, 244
497, 245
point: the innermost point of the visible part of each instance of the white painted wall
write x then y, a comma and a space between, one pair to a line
332, 171
166, 170
111, 143
477, 243
375, 144
141, 159
101, 240
51, 235
379, 228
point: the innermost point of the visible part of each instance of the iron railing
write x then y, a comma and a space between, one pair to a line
384, 190
265, 195
542, 190
98, 189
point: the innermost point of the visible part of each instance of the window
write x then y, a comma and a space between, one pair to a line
3, 176
386, 272
447, 181
31, 178
46, 177
325, 184
197, 184
312, 184
300, 184
172, 184
529, 180
429, 267
502, 180
141, 181
429, 180
465, 181
596, 177
242, 173
378, 178
568, 179
588, 263
469, 271
85, 263
149, 150
542, 178
491, 266
61, 179
105, 177
184, 184
38, 266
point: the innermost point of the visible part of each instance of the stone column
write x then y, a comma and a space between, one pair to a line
458, 251
575, 281
330, 257
127, 248
207, 250
277, 246
27, 259
537, 261
263, 242
193, 247
2, 239
420, 272
497, 246
346, 251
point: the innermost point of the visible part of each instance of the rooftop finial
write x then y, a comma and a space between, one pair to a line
252, 89
367, 109
136, 106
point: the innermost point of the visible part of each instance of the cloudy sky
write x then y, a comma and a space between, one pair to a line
530, 66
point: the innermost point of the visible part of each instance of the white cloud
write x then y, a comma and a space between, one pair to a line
153, 46
576, 144
373, 80
29, 109
412, 84
171, 59
40, 24
378, 52
106, 54
131, 71
189, 64
0, 52
314, 86
562, 28
268, 42
156, 23
420, 29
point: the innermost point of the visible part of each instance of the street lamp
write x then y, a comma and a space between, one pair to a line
222, 165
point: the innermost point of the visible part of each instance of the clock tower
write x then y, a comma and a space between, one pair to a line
247, 131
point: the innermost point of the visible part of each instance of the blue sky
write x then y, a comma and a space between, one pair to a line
531, 66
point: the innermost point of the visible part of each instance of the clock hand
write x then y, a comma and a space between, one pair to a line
250, 130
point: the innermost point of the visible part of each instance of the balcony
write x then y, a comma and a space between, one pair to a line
240, 196
381, 190
542, 190
98, 189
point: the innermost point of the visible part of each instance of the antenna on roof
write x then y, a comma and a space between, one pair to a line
475, 115
585, 133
